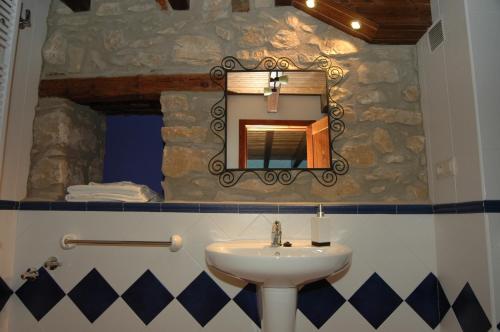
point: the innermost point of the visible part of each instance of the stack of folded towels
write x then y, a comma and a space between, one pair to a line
111, 192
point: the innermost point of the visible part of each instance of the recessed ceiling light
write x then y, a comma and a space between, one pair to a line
356, 25
310, 3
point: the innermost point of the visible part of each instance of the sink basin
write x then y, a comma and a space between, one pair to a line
258, 262
278, 272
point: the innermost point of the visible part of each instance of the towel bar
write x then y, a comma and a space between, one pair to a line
69, 241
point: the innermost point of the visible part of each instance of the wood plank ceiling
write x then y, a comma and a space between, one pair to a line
382, 21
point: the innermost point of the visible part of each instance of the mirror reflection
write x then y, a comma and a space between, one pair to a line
277, 120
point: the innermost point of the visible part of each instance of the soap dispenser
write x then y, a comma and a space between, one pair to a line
320, 229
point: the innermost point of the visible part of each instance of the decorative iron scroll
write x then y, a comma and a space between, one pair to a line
230, 177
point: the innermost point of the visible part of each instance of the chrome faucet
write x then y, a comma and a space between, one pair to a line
276, 234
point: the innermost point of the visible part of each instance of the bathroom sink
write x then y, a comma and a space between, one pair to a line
258, 262
278, 272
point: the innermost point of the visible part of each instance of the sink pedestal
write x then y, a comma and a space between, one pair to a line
279, 306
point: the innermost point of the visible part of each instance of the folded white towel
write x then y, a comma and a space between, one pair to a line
113, 192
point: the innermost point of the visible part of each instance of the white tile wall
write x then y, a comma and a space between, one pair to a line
484, 24
460, 104
400, 248
462, 257
449, 107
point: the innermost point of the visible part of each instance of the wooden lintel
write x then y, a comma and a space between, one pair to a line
282, 3
78, 5
179, 4
340, 17
132, 89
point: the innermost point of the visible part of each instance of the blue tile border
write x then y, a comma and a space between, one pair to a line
34, 206
68, 206
142, 207
470, 207
377, 209
341, 209
218, 208
258, 208
9, 205
488, 206
450, 208
492, 206
297, 209
414, 209
180, 207
105, 206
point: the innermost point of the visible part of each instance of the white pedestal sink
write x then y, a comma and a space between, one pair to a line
278, 271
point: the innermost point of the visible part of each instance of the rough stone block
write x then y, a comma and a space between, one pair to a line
359, 155
196, 50
240, 5
378, 72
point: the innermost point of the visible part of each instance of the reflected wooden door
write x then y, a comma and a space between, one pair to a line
318, 144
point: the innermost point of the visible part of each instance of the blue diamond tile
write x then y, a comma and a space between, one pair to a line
375, 300
247, 301
5, 293
147, 297
203, 298
93, 295
41, 294
469, 312
318, 301
429, 301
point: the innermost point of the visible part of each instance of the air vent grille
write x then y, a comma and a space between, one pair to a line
436, 35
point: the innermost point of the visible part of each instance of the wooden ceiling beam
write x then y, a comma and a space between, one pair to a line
268, 148
300, 153
78, 5
130, 89
179, 4
340, 17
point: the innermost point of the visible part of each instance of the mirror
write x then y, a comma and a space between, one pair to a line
274, 129
277, 120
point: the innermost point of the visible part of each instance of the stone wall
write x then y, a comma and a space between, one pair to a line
384, 140
68, 148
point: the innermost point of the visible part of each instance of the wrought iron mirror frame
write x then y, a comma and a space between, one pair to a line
229, 177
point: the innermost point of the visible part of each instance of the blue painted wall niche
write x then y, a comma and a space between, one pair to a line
134, 150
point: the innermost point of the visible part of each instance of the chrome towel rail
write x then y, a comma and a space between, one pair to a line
69, 241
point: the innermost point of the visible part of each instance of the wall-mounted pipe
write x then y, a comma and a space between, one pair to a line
69, 241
